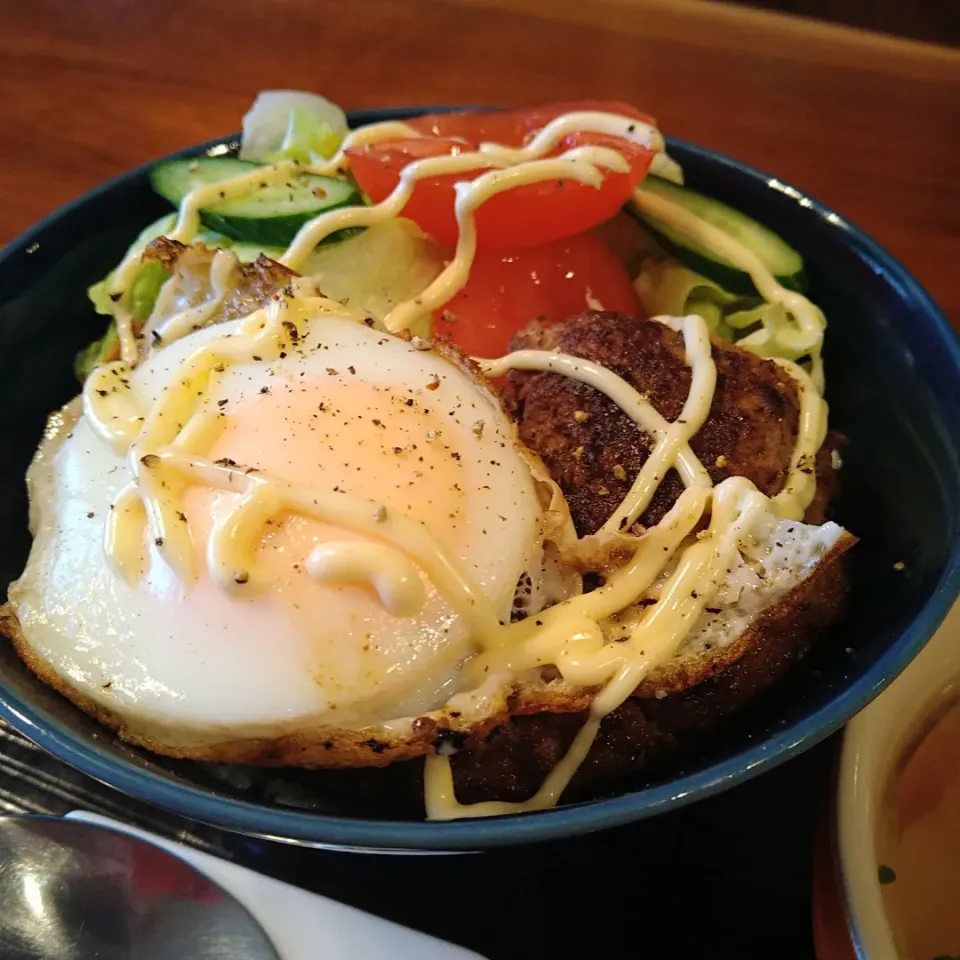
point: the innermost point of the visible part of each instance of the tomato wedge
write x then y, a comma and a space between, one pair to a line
524, 216
553, 281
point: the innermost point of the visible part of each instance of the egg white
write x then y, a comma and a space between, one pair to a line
193, 665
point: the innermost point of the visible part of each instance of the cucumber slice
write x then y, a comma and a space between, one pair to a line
781, 259
267, 216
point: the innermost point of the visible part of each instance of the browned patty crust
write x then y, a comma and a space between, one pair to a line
594, 450
515, 760
751, 431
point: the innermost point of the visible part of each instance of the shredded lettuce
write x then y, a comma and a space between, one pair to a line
98, 352
307, 140
292, 125
98, 296
712, 312
377, 269
158, 228
146, 288
212, 239
769, 330
248, 252
667, 288
143, 294
98, 292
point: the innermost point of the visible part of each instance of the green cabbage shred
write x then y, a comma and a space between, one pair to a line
667, 288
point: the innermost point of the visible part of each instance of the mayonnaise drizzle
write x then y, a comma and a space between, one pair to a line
801, 483
802, 342
672, 447
582, 163
629, 400
109, 406
188, 223
163, 459
221, 273
736, 513
127, 339
391, 574
165, 447
512, 167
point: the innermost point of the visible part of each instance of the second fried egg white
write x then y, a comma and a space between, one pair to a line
347, 409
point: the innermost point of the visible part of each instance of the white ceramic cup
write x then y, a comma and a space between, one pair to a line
873, 743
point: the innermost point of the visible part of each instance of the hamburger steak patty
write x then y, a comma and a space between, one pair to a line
594, 450
647, 729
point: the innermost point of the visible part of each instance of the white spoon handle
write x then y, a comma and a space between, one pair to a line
302, 925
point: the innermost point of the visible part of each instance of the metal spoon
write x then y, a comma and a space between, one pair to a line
79, 891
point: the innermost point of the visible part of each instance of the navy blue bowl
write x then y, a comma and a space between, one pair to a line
893, 373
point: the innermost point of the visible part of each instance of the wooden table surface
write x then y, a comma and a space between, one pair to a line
870, 125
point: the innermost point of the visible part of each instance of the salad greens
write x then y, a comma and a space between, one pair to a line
381, 267
666, 287
306, 139
143, 295
292, 125
374, 269
100, 351
281, 125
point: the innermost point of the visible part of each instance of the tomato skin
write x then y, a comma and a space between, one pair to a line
553, 281
523, 216
513, 128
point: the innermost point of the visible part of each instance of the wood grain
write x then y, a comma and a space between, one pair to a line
868, 124
931, 20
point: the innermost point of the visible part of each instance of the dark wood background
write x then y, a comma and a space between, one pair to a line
868, 124
936, 21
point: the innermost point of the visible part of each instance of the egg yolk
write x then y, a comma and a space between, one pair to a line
341, 436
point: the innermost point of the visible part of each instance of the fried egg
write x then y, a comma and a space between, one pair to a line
303, 671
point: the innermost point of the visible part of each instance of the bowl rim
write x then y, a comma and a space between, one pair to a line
874, 742
405, 836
